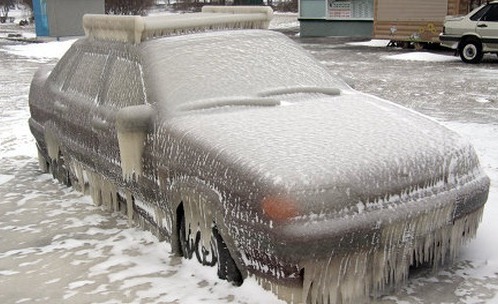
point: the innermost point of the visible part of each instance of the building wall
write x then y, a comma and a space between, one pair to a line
65, 16
415, 21
323, 28
352, 18
409, 10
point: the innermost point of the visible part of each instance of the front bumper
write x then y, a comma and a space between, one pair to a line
359, 255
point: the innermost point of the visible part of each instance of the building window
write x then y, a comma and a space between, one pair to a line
350, 9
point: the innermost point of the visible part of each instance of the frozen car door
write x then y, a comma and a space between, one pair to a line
123, 88
76, 104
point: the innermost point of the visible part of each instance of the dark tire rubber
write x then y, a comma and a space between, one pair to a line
219, 253
471, 50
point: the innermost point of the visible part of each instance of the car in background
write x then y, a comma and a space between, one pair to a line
245, 153
474, 34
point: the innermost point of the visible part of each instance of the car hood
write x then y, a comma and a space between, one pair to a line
345, 149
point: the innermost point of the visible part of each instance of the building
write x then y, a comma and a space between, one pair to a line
405, 20
58, 18
336, 17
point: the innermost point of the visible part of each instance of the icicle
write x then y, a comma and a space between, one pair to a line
129, 206
352, 276
52, 145
131, 146
199, 217
42, 163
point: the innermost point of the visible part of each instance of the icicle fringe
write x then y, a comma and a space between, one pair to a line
348, 277
356, 276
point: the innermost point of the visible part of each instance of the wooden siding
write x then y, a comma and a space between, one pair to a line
409, 20
408, 31
410, 10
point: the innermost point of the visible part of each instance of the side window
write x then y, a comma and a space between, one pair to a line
87, 75
492, 14
124, 84
63, 69
477, 16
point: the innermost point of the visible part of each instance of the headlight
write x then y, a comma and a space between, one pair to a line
279, 209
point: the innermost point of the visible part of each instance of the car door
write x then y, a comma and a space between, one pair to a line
487, 27
123, 87
75, 103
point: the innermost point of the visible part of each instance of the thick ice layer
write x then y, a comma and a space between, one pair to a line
361, 151
217, 63
135, 29
354, 276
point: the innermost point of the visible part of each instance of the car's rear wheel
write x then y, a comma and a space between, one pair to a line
471, 50
199, 236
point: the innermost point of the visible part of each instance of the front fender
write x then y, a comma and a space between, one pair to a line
185, 189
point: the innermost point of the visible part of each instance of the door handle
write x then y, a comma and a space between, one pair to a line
60, 107
482, 25
99, 124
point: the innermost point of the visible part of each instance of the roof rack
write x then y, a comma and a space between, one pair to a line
135, 29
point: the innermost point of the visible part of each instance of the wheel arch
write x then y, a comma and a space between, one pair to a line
184, 189
466, 37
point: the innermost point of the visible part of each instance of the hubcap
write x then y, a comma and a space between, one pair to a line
470, 51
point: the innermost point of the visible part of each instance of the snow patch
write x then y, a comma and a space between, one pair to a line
371, 43
47, 50
5, 178
482, 100
422, 56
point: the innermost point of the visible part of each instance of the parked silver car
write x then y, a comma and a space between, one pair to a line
474, 34
244, 152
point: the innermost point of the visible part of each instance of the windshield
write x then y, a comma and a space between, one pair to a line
230, 66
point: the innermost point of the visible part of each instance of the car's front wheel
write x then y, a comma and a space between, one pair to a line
471, 50
199, 236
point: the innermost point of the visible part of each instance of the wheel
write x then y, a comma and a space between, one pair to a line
199, 236
227, 269
471, 51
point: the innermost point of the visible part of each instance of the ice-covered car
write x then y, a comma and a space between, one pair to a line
244, 152
474, 34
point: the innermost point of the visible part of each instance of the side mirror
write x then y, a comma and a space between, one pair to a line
132, 125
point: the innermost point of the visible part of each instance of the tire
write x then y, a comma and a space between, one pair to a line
227, 269
471, 51
209, 250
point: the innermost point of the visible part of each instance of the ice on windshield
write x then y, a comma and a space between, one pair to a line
223, 64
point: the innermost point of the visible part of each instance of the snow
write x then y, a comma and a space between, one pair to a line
410, 56
423, 56
40, 51
111, 262
371, 43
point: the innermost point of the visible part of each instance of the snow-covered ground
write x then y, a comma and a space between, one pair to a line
56, 246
